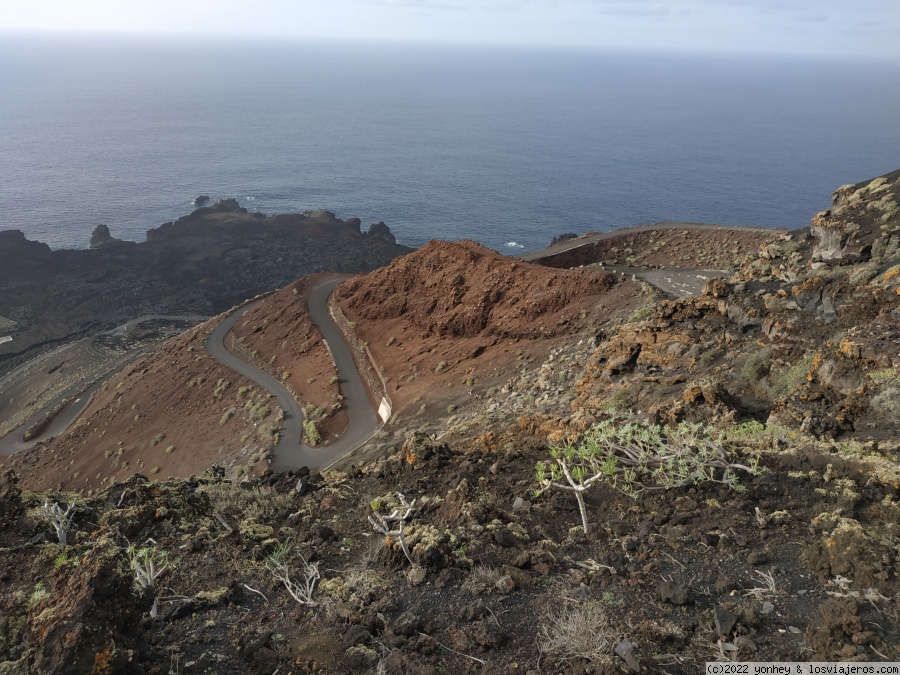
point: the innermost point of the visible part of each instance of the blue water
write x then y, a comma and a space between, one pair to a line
495, 145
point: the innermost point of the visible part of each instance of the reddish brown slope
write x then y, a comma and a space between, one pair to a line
174, 412
451, 315
278, 336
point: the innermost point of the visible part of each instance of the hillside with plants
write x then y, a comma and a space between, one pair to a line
668, 481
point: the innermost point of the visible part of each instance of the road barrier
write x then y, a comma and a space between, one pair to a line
366, 366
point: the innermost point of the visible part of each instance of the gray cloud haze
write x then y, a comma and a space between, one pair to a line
815, 27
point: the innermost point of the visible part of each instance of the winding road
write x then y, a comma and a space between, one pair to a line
290, 452
80, 393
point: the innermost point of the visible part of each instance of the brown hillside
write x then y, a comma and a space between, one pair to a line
451, 315
278, 336
176, 397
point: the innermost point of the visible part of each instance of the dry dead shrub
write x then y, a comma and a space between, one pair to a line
577, 632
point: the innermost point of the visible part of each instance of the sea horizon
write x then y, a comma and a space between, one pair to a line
505, 145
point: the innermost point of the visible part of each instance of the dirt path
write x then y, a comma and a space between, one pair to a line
290, 452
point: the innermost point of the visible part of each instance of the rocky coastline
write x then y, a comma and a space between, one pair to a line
202, 263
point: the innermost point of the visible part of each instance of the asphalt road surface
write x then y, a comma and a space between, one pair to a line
290, 452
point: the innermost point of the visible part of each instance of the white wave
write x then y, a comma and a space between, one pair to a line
513, 244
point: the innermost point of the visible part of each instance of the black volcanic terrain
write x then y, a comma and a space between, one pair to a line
203, 263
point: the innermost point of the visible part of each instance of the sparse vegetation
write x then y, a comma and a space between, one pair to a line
148, 563
757, 365
577, 632
635, 456
792, 377
59, 519
311, 433
279, 564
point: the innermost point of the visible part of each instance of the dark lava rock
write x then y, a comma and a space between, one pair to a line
14, 244
200, 200
488, 634
757, 558
381, 230
725, 583
357, 635
724, 620
101, 238
677, 594
505, 538
407, 624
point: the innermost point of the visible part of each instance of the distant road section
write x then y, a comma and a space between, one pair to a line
74, 400
679, 282
587, 239
290, 452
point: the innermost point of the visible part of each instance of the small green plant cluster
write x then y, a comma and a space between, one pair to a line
311, 432
220, 388
791, 378
147, 564
635, 456
643, 313
757, 365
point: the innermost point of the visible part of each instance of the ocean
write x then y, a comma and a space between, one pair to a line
508, 147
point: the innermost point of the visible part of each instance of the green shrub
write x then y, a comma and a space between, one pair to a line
311, 432
633, 456
791, 378
757, 365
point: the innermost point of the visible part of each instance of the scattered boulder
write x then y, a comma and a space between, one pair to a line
676, 593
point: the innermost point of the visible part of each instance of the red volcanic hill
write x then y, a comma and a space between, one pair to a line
464, 290
450, 314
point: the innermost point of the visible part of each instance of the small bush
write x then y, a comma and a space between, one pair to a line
581, 632
170, 449
757, 365
440, 366
632, 456
391, 340
261, 504
791, 378
482, 580
225, 417
311, 432
643, 313
886, 403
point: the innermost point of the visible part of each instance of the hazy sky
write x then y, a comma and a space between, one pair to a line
832, 27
